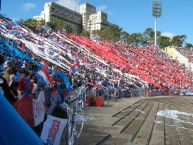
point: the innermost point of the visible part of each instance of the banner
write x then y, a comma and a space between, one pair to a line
24, 107
31, 110
39, 112
52, 130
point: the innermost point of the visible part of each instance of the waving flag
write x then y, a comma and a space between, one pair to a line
45, 75
64, 77
74, 68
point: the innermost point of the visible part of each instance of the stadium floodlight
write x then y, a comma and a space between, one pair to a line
156, 12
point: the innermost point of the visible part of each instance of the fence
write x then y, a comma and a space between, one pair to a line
158, 92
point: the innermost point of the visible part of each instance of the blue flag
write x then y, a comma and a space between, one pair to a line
64, 77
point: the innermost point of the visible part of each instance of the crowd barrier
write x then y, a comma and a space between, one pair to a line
158, 92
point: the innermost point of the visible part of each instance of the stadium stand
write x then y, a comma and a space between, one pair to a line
48, 65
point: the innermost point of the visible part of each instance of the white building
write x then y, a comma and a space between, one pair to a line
91, 19
53, 12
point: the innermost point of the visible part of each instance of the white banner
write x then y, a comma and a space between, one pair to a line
39, 112
52, 130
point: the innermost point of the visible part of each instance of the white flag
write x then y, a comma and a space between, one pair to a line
52, 130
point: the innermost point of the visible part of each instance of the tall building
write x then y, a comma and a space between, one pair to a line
91, 19
53, 12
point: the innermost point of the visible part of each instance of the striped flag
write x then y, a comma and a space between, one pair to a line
45, 75
74, 68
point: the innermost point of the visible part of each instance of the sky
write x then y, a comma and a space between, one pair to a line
131, 15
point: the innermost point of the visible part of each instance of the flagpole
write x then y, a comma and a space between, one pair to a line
75, 5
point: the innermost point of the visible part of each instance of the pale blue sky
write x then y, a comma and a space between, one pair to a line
131, 15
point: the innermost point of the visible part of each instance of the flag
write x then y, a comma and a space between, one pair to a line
43, 73
31, 110
74, 68
45, 65
52, 130
64, 77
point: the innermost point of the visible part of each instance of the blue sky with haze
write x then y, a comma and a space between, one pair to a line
131, 15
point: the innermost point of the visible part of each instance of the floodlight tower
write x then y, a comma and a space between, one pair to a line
156, 12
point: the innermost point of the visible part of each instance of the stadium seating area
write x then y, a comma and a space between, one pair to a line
48, 66
187, 53
99, 63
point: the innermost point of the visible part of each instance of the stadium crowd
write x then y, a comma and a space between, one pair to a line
30, 58
187, 52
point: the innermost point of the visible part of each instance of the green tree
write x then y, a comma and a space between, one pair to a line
111, 33
51, 25
68, 28
59, 25
97, 33
188, 45
124, 37
85, 33
42, 23
136, 39
178, 40
33, 22
148, 34
164, 41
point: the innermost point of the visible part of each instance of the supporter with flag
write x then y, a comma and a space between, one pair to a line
43, 73
74, 68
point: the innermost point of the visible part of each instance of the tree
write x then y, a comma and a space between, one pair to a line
188, 45
68, 28
124, 37
178, 40
59, 25
51, 25
42, 23
97, 33
33, 22
164, 41
111, 33
85, 33
148, 34
136, 39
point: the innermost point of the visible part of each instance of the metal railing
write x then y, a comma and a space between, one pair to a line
74, 103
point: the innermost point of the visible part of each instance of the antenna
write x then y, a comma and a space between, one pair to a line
156, 12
